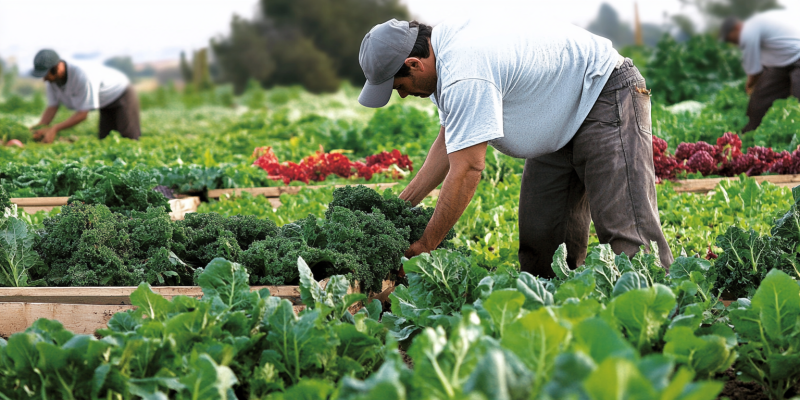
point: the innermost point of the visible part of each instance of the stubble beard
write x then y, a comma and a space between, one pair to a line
426, 85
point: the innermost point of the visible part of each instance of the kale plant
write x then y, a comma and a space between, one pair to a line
124, 192
88, 245
204, 237
396, 210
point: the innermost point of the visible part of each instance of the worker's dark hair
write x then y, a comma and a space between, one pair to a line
420, 48
727, 26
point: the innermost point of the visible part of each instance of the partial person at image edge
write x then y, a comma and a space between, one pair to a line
770, 44
83, 89
547, 91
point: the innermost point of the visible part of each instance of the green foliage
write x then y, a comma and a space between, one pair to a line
692, 222
725, 112
88, 245
11, 129
204, 237
232, 343
5, 200
391, 126
439, 284
51, 179
302, 42
396, 210
125, 192
16, 252
780, 126
641, 313
16, 104
293, 207
747, 256
769, 332
693, 70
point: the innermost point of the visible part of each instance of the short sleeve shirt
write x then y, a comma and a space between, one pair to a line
87, 88
525, 87
770, 39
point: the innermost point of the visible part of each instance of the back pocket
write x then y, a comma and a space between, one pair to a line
641, 105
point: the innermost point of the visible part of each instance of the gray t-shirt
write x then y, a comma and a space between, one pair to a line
88, 87
523, 86
770, 39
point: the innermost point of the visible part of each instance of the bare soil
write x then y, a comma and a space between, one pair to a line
406, 359
735, 389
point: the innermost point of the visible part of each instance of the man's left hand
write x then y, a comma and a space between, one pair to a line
45, 135
416, 249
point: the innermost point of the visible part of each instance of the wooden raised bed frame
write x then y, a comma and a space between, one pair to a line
83, 310
34, 204
706, 185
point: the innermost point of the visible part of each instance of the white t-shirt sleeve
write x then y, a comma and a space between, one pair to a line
472, 113
750, 43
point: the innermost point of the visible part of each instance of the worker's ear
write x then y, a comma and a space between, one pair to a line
415, 64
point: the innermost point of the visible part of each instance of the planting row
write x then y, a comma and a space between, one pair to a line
617, 327
363, 235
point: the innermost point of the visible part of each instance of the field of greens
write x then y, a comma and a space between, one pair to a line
462, 323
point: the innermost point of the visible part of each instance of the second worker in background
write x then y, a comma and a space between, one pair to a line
770, 44
83, 89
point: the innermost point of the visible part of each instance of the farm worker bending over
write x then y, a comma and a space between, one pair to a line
770, 44
549, 92
83, 89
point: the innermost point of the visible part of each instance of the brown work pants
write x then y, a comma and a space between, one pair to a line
604, 174
122, 115
773, 84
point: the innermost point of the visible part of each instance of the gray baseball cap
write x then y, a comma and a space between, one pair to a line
44, 60
383, 52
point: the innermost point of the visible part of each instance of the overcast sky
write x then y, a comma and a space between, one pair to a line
153, 30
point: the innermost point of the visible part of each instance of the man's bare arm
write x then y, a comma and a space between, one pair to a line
74, 119
48, 135
48, 115
431, 174
459, 186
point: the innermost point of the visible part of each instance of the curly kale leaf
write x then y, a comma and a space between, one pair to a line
273, 261
5, 199
88, 245
397, 210
124, 192
371, 238
203, 237
248, 229
366, 246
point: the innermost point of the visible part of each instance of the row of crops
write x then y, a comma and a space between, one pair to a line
617, 327
462, 322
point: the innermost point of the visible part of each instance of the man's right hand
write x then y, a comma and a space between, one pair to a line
45, 135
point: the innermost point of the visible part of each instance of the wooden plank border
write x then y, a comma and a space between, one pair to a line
118, 295
31, 205
78, 318
706, 185
86, 309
